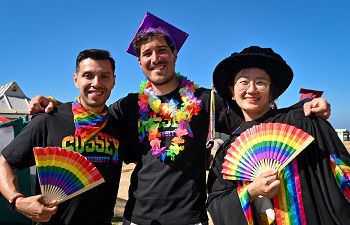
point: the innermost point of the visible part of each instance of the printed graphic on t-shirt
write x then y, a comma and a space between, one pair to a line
103, 148
166, 126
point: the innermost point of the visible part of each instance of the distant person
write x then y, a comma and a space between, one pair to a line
313, 189
167, 127
85, 126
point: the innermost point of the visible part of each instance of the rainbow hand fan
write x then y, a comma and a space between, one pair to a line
261, 148
64, 174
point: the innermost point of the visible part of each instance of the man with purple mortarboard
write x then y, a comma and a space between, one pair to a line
167, 123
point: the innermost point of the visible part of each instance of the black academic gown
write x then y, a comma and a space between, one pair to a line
318, 198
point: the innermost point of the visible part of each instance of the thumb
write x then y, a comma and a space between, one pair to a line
51, 209
49, 107
46, 201
307, 108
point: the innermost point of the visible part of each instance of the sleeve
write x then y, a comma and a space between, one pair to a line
231, 207
124, 110
244, 199
19, 153
338, 157
228, 117
228, 201
341, 173
326, 164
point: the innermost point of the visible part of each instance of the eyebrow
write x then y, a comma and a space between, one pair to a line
257, 78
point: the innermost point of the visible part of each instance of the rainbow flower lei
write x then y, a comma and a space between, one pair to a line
150, 104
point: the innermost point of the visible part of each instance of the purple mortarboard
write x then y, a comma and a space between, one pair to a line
150, 21
308, 93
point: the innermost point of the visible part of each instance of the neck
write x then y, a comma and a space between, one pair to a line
254, 116
96, 110
163, 89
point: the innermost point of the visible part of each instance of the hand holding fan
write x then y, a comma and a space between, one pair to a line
64, 174
267, 146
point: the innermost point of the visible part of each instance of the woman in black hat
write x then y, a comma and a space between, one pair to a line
313, 189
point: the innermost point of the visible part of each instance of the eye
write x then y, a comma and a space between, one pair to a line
106, 76
163, 50
88, 75
261, 83
146, 53
243, 82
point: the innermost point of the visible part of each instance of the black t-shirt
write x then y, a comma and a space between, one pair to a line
170, 192
94, 207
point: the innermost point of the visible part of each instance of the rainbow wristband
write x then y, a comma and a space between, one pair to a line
12, 199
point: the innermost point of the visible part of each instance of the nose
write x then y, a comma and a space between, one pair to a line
155, 57
95, 81
251, 87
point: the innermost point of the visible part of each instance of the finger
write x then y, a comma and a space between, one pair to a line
321, 108
39, 198
321, 113
49, 202
307, 108
270, 179
275, 184
49, 107
50, 210
268, 173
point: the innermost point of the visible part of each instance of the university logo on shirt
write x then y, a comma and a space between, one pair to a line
103, 148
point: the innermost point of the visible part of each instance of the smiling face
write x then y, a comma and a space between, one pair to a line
95, 80
247, 92
158, 63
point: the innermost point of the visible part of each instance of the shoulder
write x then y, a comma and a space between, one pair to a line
296, 117
202, 92
125, 105
64, 109
130, 98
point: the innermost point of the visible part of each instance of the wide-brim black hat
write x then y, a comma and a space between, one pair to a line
252, 57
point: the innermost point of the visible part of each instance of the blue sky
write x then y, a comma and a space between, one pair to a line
40, 40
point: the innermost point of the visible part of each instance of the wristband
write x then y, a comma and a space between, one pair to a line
12, 199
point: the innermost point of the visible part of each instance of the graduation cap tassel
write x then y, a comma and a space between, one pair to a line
212, 115
212, 143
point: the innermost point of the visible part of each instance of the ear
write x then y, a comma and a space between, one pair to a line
115, 77
175, 55
232, 93
75, 78
139, 60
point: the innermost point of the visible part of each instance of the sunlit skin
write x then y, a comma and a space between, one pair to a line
252, 102
158, 64
95, 80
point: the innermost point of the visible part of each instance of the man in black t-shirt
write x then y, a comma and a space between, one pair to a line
94, 79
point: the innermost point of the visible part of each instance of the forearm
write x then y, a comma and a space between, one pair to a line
8, 180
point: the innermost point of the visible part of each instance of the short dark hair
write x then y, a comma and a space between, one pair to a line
147, 35
94, 54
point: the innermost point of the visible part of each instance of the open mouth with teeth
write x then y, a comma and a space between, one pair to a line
95, 93
159, 66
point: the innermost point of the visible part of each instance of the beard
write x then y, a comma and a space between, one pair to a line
165, 80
